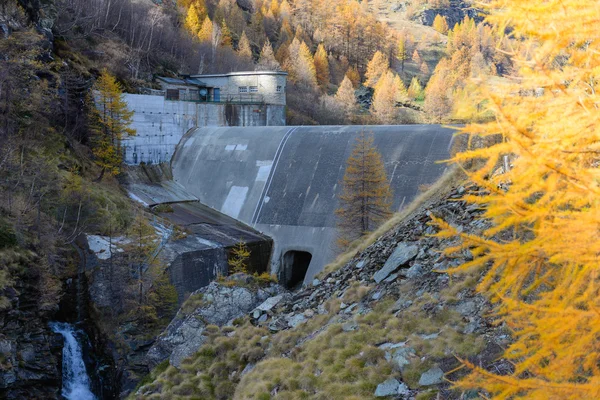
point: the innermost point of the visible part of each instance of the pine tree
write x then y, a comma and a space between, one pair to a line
110, 122
440, 24
384, 99
244, 49
322, 67
538, 258
267, 61
346, 97
206, 31
415, 90
424, 68
240, 255
366, 196
378, 65
226, 39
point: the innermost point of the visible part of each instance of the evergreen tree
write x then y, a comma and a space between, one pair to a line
440, 24
424, 68
366, 195
322, 67
346, 98
240, 255
110, 123
244, 49
378, 65
206, 31
267, 61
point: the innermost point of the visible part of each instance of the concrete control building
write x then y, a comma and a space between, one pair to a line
162, 117
237, 87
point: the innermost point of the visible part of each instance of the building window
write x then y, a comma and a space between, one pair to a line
279, 89
253, 89
243, 89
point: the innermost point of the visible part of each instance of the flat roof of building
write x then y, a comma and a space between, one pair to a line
240, 73
181, 81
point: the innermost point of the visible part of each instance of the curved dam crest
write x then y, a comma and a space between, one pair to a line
284, 181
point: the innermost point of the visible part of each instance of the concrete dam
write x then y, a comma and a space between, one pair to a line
284, 181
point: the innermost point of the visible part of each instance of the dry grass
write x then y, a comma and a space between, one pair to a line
437, 190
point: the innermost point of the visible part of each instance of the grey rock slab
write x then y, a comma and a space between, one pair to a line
404, 253
434, 376
387, 388
269, 303
415, 271
296, 320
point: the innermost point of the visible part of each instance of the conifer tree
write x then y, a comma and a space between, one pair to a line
401, 93
193, 20
539, 257
415, 90
244, 49
365, 200
424, 68
206, 31
322, 67
267, 61
402, 51
378, 66
438, 101
238, 261
110, 124
440, 24
384, 99
416, 58
354, 76
226, 39
346, 97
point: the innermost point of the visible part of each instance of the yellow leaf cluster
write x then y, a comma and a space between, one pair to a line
540, 256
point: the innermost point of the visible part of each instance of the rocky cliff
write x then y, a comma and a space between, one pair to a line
390, 323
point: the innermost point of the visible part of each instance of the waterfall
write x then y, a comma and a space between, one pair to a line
76, 383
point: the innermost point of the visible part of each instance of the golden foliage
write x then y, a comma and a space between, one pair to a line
366, 196
110, 123
440, 24
240, 255
378, 66
541, 254
322, 67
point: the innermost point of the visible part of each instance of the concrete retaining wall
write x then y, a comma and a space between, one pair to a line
160, 124
284, 181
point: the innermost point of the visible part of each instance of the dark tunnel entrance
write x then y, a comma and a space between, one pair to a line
293, 269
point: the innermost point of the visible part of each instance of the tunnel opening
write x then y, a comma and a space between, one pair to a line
293, 269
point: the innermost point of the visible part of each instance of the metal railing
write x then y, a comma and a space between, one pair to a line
231, 98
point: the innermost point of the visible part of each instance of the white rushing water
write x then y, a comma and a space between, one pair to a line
76, 383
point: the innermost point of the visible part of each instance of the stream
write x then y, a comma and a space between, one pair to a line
75, 380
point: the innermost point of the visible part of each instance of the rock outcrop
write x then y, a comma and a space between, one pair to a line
218, 304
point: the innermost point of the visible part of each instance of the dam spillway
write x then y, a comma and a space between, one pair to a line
284, 180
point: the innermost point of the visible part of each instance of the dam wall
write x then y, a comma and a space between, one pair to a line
285, 181
160, 123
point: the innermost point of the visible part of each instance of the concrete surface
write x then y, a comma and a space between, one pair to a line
284, 181
161, 123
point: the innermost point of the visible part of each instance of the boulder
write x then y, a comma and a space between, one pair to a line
404, 253
392, 387
434, 376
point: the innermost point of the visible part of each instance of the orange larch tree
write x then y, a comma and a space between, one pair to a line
540, 259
